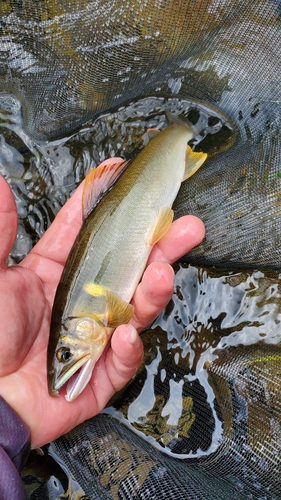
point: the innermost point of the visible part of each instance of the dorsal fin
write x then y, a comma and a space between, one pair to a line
98, 182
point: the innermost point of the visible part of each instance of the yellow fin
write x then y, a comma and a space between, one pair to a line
193, 162
98, 182
164, 221
118, 311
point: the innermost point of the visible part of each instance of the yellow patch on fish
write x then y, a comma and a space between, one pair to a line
94, 289
118, 311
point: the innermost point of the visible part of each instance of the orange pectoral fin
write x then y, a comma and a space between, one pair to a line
117, 312
98, 182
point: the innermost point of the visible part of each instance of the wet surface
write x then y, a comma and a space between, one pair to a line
204, 409
217, 321
213, 357
44, 174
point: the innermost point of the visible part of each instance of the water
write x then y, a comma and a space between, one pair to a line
43, 175
213, 351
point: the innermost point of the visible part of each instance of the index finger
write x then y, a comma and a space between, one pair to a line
57, 241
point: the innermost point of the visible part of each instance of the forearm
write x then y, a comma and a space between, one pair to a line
14, 450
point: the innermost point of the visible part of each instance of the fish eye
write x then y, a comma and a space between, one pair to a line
63, 354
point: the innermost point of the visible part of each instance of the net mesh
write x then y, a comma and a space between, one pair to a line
68, 61
201, 419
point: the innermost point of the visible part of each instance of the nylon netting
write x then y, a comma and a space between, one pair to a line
201, 419
68, 61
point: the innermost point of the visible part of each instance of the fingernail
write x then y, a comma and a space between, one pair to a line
133, 338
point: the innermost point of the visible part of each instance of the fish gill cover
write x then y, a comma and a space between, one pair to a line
65, 63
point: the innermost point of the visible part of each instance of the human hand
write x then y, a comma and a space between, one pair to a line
26, 296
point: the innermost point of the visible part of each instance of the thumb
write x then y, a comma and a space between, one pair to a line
8, 221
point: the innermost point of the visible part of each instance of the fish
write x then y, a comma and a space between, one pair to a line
127, 208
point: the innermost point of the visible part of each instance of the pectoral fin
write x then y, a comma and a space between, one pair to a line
164, 221
98, 182
152, 132
118, 310
193, 162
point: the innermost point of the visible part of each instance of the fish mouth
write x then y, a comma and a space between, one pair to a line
77, 376
78, 381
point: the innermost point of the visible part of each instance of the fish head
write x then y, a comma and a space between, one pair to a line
80, 344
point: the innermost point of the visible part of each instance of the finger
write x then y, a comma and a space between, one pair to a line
22, 311
59, 238
57, 241
125, 356
184, 234
152, 294
8, 221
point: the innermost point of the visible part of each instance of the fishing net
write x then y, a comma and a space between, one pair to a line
201, 419
68, 61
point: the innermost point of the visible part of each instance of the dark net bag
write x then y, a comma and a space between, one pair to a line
69, 61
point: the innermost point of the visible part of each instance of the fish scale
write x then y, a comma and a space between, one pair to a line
131, 211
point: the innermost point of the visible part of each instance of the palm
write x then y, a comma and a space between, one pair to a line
26, 296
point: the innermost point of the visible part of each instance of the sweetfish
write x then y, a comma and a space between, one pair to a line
126, 210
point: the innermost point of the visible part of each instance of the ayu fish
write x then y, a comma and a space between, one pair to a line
126, 210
